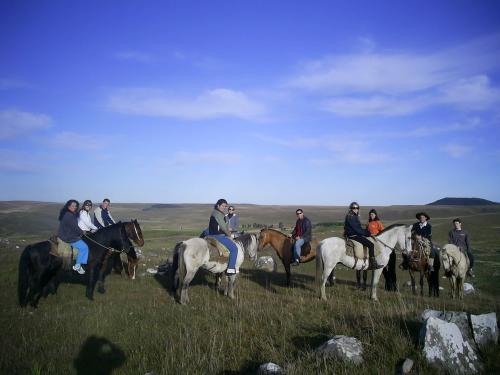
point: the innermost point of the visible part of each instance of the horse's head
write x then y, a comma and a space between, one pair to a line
134, 232
404, 238
252, 249
264, 239
446, 261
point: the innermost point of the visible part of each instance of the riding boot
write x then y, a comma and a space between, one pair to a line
373, 264
470, 273
431, 264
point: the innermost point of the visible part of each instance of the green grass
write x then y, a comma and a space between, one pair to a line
137, 326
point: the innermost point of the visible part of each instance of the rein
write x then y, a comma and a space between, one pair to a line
136, 233
104, 247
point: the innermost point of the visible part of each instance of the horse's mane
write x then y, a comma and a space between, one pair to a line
392, 226
277, 231
105, 230
245, 239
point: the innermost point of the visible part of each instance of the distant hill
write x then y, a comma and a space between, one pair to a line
462, 202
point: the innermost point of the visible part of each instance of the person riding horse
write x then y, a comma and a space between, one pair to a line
354, 231
71, 233
219, 229
460, 238
302, 233
422, 231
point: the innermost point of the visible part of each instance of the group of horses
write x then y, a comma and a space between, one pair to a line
40, 269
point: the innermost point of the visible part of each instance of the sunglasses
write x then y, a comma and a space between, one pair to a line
299, 213
355, 208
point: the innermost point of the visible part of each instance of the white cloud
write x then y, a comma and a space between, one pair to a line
184, 158
137, 56
17, 162
456, 150
15, 123
211, 104
473, 93
74, 141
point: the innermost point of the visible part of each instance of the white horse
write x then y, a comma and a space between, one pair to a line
332, 251
455, 264
193, 254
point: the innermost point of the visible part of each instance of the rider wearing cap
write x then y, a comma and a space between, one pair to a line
354, 231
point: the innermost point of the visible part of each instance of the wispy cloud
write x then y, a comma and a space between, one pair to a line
213, 157
456, 150
210, 104
402, 83
75, 141
135, 56
15, 123
17, 162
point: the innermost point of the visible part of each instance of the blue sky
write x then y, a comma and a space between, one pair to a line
266, 102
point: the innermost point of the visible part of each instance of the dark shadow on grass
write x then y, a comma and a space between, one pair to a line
267, 279
307, 343
413, 328
249, 367
98, 356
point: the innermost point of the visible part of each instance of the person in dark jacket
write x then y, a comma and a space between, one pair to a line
102, 215
423, 229
460, 238
354, 231
218, 228
70, 232
302, 233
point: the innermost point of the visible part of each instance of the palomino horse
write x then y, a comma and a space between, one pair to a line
455, 264
417, 262
193, 254
332, 251
40, 263
282, 244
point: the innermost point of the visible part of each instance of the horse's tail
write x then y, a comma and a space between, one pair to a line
24, 277
319, 265
180, 247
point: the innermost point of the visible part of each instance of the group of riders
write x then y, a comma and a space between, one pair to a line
75, 222
222, 227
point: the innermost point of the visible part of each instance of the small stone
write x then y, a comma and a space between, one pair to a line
343, 347
407, 366
468, 288
152, 271
269, 368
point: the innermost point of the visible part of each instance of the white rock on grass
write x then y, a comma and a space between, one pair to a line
266, 263
458, 317
468, 288
484, 328
445, 348
269, 368
407, 366
342, 347
152, 271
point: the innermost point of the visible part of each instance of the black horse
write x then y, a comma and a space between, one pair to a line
39, 265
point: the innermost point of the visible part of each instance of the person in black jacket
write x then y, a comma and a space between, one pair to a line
302, 233
354, 231
423, 229
70, 232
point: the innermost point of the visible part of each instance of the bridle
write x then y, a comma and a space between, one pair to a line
110, 248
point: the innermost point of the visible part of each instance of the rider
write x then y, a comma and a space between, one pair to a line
84, 221
423, 229
354, 231
102, 216
233, 221
302, 233
460, 238
70, 232
219, 229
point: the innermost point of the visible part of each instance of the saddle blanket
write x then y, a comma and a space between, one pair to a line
65, 251
218, 251
357, 250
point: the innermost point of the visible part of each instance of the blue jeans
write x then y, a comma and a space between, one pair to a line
231, 246
298, 245
83, 251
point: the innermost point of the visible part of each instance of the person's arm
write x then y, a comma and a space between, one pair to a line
98, 217
222, 224
450, 237
308, 231
467, 241
380, 226
113, 221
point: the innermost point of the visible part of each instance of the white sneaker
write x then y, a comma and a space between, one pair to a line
230, 271
78, 268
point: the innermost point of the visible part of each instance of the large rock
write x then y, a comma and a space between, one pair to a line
458, 317
484, 328
266, 263
469, 288
445, 348
269, 368
342, 347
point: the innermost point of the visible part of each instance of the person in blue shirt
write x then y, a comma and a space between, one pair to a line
102, 216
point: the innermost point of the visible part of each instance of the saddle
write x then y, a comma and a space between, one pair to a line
63, 250
358, 251
218, 251
305, 249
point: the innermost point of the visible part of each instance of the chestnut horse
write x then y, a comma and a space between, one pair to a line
417, 262
283, 245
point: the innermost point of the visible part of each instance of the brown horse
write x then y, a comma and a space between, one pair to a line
283, 245
417, 262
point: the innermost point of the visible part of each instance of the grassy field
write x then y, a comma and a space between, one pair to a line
137, 327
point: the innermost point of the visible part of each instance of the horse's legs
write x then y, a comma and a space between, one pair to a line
94, 270
327, 272
331, 278
190, 273
358, 279
231, 281
218, 280
452, 286
460, 288
287, 258
413, 289
375, 277
132, 263
421, 284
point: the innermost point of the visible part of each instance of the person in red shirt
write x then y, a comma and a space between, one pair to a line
374, 226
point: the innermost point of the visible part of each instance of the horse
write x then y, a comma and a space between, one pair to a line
116, 263
417, 262
194, 253
332, 251
282, 244
455, 264
40, 263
